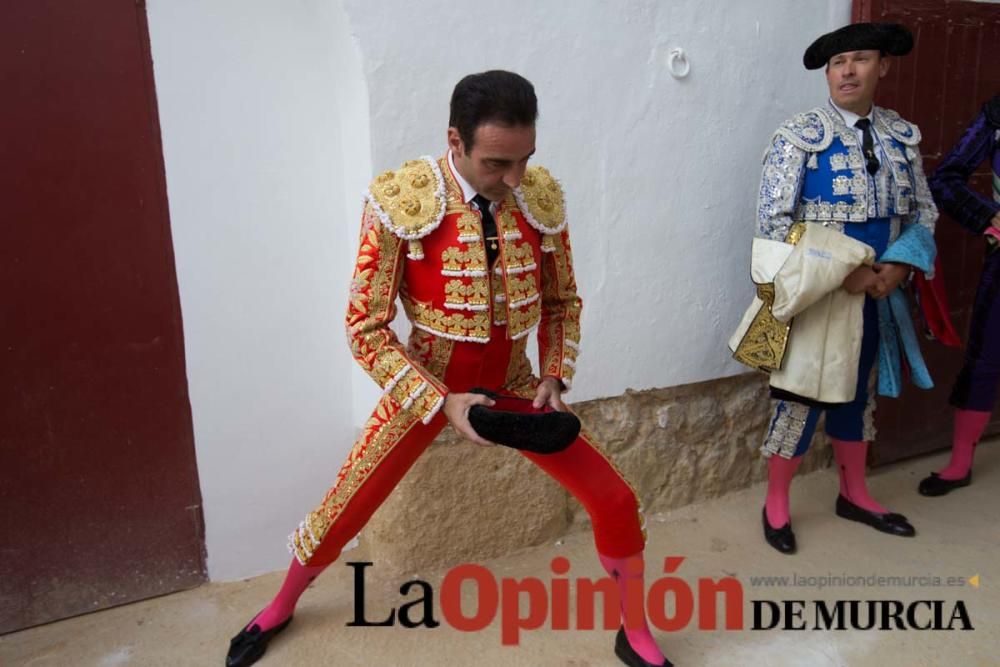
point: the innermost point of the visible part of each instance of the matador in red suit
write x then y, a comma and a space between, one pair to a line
476, 247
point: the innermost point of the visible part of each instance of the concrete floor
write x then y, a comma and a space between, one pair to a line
958, 536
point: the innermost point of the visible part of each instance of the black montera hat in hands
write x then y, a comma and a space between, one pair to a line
893, 39
515, 422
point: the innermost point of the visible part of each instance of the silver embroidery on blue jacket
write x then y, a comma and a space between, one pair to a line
814, 171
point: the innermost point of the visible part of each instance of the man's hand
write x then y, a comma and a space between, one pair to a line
549, 392
860, 280
889, 277
995, 221
456, 409
992, 234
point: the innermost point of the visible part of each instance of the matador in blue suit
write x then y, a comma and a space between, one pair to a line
847, 176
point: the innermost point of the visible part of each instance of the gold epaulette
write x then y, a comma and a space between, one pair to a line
541, 200
410, 200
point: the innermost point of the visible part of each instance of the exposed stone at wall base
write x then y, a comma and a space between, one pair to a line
462, 502
465, 503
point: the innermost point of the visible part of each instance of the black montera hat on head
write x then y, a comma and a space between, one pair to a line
891, 38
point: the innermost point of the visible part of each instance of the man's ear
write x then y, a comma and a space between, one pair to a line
455, 142
883, 66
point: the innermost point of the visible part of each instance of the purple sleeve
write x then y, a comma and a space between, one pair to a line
950, 180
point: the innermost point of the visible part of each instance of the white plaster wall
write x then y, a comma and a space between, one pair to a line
660, 174
275, 115
263, 114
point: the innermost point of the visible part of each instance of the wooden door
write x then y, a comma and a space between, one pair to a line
941, 86
99, 497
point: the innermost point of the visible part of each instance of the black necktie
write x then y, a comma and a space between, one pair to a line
868, 145
489, 228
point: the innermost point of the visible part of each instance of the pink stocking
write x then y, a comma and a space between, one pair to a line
625, 571
281, 607
779, 480
851, 457
969, 425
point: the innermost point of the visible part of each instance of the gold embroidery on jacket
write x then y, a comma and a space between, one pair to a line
456, 261
369, 302
459, 325
521, 288
499, 305
459, 294
521, 320
508, 224
518, 258
431, 351
559, 335
468, 227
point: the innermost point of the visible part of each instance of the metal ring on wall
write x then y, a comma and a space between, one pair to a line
678, 64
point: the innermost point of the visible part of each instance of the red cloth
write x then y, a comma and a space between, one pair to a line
934, 306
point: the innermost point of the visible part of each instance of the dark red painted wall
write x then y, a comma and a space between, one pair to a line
99, 497
941, 86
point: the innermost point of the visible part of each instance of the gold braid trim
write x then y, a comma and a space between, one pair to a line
385, 428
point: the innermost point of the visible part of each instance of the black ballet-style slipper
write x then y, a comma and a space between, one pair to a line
250, 644
890, 522
782, 539
627, 654
936, 485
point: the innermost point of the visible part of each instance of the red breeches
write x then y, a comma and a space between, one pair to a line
394, 438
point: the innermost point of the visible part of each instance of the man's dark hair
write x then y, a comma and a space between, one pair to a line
495, 96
